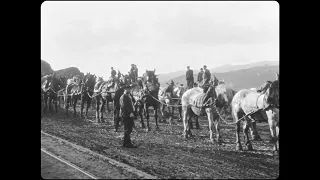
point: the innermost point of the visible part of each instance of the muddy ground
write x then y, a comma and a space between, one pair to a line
165, 153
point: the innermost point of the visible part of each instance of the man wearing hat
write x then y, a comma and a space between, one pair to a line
126, 112
135, 73
206, 75
170, 88
113, 73
189, 77
200, 76
132, 73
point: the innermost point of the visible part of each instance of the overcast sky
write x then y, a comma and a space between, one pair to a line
167, 36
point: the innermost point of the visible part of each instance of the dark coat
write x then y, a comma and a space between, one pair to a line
206, 76
189, 75
200, 76
125, 105
113, 73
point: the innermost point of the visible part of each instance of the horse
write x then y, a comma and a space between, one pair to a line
50, 86
171, 101
106, 91
196, 99
247, 105
151, 88
87, 92
73, 93
61, 92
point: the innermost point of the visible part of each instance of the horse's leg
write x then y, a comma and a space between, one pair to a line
161, 106
246, 126
75, 100
197, 122
155, 107
67, 105
102, 108
82, 106
88, 105
217, 128
172, 114
210, 120
238, 141
50, 104
97, 109
146, 107
108, 108
116, 117
254, 132
274, 130
56, 104
191, 115
169, 112
185, 123
236, 115
180, 116
141, 116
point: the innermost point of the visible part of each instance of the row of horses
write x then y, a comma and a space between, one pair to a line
248, 106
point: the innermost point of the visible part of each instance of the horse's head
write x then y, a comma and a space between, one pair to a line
178, 91
272, 92
89, 82
56, 83
150, 76
224, 95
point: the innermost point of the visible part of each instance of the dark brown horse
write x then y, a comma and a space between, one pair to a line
87, 91
50, 86
151, 90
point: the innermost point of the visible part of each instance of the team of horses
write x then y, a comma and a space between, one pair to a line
247, 105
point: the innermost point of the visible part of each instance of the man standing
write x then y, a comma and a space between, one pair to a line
189, 77
126, 112
200, 76
135, 73
132, 72
206, 75
113, 73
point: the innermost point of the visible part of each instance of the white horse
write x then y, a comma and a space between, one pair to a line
246, 106
194, 100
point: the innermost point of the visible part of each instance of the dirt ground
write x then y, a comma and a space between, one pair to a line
165, 153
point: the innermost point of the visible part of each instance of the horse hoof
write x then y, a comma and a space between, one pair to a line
157, 128
249, 147
239, 148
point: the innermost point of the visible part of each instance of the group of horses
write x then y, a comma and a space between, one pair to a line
248, 106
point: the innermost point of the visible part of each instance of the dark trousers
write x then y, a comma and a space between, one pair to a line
128, 123
190, 84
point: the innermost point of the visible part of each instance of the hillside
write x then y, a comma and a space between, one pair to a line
224, 68
68, 71
45, 68
245, 78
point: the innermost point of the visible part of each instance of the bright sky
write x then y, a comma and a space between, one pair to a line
167, 36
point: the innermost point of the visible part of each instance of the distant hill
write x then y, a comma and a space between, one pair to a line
68, 71
225, 68
46, 68
245, 78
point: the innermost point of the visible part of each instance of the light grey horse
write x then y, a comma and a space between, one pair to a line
196, 98
246, 104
